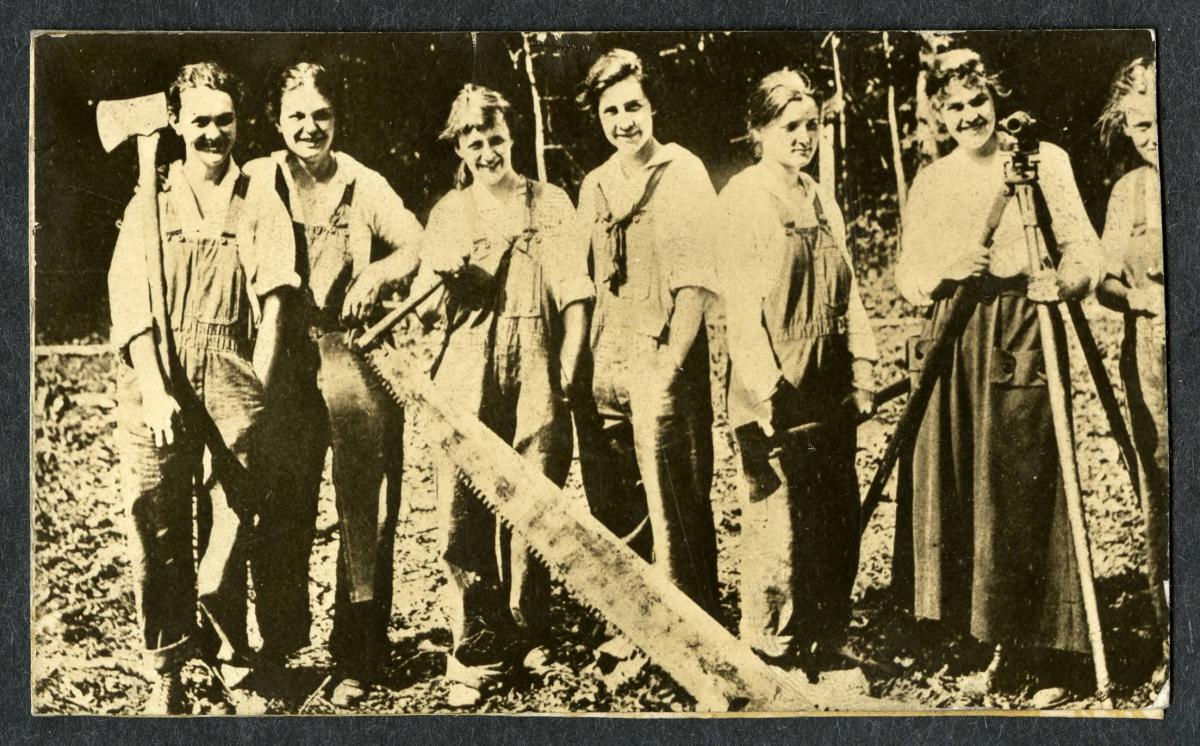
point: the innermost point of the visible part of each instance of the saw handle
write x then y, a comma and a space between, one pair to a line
371, 336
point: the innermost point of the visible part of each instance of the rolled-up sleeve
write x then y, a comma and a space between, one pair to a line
565, 251
860, 335
1072, 228
743, 281
1118, 225
128, 289
688, 211
391, 222
271, 264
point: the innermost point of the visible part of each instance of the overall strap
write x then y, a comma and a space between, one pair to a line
281, 188
168, 215
233, 214
339, 212
819, 211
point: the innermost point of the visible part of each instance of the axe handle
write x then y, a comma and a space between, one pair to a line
147, 194
883, 396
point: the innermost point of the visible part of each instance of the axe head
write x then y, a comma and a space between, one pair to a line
117, 121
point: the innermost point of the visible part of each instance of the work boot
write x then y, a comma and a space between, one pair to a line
167, 696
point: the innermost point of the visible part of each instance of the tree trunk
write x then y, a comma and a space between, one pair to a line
539, 129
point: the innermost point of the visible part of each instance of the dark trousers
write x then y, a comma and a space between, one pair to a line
159, 485
333, 402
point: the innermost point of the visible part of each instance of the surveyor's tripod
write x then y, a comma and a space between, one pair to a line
1021, 182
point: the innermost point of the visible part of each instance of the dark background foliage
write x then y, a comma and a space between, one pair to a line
398, 87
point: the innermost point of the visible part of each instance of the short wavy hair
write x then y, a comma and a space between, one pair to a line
1137, 78
475, 107
770, 97
968, 68
303, 73
609, 69
203, 75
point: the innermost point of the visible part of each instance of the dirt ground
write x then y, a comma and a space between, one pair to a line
85, 660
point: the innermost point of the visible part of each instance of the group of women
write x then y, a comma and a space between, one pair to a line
595, 314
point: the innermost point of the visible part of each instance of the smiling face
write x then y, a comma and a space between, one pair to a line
969, 114
626, 116
207, 123
487, 153
790, 139
1141, 125
307, 123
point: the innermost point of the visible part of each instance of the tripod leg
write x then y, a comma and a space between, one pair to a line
1065, 443
962, 307
1104, 389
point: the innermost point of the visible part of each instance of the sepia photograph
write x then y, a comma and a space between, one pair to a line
658, 372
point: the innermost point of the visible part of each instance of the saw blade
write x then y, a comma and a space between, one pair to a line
721, 672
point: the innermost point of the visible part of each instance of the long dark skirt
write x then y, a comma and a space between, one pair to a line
991, 542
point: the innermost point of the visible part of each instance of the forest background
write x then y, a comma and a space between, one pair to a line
398, 88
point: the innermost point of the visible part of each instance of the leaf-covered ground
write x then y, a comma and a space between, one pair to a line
85, 658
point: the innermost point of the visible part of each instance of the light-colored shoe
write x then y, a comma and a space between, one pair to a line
348, 693
1049, 698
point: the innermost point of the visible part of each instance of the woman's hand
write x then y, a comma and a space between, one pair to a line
364, 294
780, 409
575, 330
863, 395
161, 413
864, 403
1148, 301
971, 263
1050, 286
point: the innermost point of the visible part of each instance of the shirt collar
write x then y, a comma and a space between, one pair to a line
766, 180
346, 172
665, 153
185, 196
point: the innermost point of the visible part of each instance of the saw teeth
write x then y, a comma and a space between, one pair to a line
708, 663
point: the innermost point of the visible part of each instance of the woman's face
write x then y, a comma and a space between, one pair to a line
487, 153
626, 116
307, 123
969, 114
790, 139
207, 123
1141, 125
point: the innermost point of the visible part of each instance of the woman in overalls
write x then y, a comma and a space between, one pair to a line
515, 306
801, 350
227, 253
991, 542
645, 438
356, 242
1133, 285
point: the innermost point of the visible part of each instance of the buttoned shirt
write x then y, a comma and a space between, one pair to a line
453, 231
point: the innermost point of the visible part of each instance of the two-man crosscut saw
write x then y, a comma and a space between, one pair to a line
721, 672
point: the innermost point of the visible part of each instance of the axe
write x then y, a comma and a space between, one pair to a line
119, 120
116, 122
